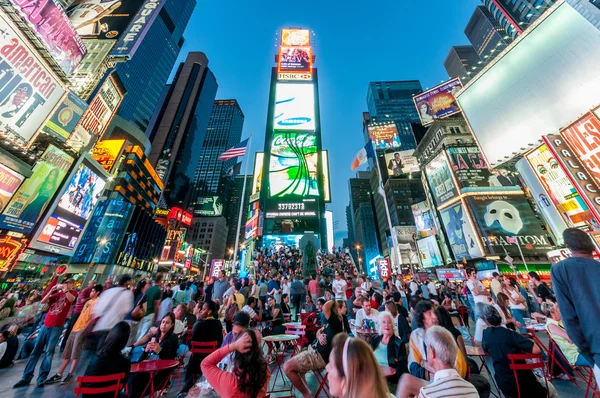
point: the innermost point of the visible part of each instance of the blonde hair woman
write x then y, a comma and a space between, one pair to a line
353, 371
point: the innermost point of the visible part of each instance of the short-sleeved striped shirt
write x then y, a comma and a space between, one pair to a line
448, 383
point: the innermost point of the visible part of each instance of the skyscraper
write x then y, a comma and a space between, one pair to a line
392, 100
463, 62
180, 127
362, 217
224, 130
486, 34
517, 15
145, 74
233, 207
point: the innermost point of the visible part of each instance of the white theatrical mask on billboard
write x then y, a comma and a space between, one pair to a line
294, 107
506, 215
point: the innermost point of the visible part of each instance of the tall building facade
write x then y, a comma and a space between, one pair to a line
160, 49
180, 127
224, 130
517, 15
232, 209
463, 62
392, 100
210, 235
486, 34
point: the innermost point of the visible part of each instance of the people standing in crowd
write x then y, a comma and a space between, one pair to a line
179, 296
517, 301
433, 293
139, 300
166, 304
339, 287
575, 283
153, 298
219, 288
313, 288
496, 285
476, 292
297, 290
82, 298
75, 341
539, 289
365, 285
59, 300
388, 348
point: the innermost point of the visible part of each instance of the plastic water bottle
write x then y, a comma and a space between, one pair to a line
153, 356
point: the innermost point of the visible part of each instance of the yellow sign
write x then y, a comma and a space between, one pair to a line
295, 37
106, 152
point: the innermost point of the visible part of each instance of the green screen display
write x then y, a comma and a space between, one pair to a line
293, 165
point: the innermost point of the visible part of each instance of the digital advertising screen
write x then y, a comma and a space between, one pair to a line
451, 274
439, 102
430, 252
472, 171
398, 163
439, 176
31, 199
384, 136
10, 180
106, 152
295, 37
294, 59
502, 217
102, 19
210, 206
29, 91
582, 137
258, 171
75, 207
294, 107
292, 208
326, 181
423, 216
65, 118
293, 165
462, 238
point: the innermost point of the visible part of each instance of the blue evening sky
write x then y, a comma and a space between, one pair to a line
355, 42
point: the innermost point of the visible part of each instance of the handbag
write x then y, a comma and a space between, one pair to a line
140, 310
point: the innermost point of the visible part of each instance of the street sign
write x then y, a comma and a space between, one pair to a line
509, 259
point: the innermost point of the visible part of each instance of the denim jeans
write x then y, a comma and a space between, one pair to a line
45, 344
471, 305
519, 315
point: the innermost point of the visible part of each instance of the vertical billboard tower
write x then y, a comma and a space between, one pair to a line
293, 180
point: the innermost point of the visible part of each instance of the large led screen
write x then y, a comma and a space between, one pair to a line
295, 59
439, 102
384, 136
440, 179
430, 252
543, 83
294, 107
423, 216
462, 238
294, 164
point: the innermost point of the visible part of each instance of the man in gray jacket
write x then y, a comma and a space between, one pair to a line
220, 287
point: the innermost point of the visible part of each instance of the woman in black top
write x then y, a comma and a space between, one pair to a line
162, 343
397, 358
109, 360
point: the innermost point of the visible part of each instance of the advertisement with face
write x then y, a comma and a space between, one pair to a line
583, 137
384, 136
30, 201
505, 216
472, 171
462, 238
293, 165
294, 107
439, 102
210, 206
423, 217
65, 118
555, 182
9, 182
102, 19
295, 59
440, 179
430, 252
65, 225
401, 162
106, 152
29, 91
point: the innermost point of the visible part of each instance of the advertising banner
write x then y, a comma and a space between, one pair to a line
54, 29
28, 89
294, 107
10, 248
401, 162
210, 206
462, 238
295, 37
384, 268
294, 59
440, 179
555, 182
215, 267
451, 274
9, 182
65, 118
473, 174
384, 136
75, 207
257, 174
430, 252
29, 202
423, 216
137, 29
180, 215
503, 217
106, 152
292, 208
102, 19
583, 137
294, 164
439, 102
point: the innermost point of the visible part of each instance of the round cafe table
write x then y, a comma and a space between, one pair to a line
152, 367
292, 324
279, 353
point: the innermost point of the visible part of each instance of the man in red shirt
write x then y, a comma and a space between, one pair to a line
313, 288
59, 299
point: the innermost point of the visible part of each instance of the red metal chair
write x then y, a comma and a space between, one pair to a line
585, 372
299, 331
517, 362
116, 385
323, 383
203, 347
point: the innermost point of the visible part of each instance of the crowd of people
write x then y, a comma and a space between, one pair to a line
415, 327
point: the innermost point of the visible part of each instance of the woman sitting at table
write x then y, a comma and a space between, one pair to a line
556, 330
389, 349
502, 305
161, 343
400, 322
353, 371
499, 342
308, 305
250, 375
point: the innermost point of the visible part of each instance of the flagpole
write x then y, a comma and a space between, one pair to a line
239, 224
387, 213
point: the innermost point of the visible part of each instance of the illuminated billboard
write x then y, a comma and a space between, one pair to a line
543, 82
295, 37
66, 116
384, 136
294, 107
561, 191
430, 252
401, 162
9, 182
54, 29
137, 29
211, 206
294, 164
177, 214
106, 152
439, 102
423, 216
297, 208
257, 174
439, 176
75, 207
102, 19
326, 183
294, 59
29, 90
31, 199
462, 238
583, 137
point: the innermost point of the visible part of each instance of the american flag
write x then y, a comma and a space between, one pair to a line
235, 151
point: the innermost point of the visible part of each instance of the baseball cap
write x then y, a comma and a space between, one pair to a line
242, 319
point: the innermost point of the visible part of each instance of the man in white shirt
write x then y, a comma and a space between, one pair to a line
433, 294
479, 292
414, 287
339, 287
112, 307
366, 312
